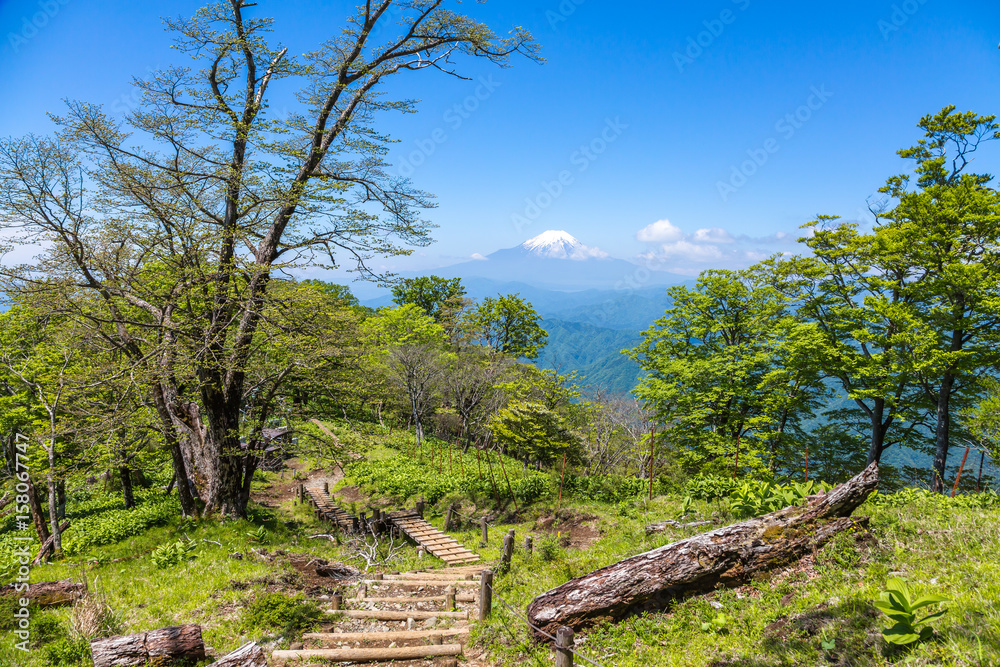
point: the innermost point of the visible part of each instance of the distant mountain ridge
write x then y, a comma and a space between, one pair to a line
556, 260
592, 305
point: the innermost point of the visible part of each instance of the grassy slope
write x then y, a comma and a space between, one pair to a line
781, 620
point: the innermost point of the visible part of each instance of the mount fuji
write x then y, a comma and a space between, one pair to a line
592, 305
555, 260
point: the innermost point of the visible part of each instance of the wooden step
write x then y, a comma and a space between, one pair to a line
386, 615
417, 583
392, 635
367, 654
411, 599
429, 576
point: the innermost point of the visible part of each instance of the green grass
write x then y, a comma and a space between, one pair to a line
792, 617
783, 618
213, 589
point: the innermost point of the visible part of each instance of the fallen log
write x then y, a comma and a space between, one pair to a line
174, 644
248, 655
47, 593
670, 523
725, 556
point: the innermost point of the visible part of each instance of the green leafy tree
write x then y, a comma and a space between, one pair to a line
853, 288
534, 433
164, 229
410, 345
948, 229
435, 295
724, 370
509, 324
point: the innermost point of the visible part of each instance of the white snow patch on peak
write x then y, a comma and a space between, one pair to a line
558, 244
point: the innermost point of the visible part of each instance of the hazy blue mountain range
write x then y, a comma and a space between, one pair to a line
593, 352
591, 305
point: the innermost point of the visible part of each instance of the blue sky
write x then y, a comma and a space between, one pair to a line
699, 134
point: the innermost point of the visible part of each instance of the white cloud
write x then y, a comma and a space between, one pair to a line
707, 248
478, 256
713, 235
661, 231
699, 252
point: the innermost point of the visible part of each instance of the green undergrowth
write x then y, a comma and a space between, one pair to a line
818, 613
218, 582
395, 468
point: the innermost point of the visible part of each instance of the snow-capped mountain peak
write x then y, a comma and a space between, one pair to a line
559, 244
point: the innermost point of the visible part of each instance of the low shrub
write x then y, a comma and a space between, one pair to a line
291, 615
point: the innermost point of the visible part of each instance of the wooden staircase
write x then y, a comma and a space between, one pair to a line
433, 541
386, 619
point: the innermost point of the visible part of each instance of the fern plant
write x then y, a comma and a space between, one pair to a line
898, 603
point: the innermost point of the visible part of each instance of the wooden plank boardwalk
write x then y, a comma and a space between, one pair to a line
434, 541
328, 510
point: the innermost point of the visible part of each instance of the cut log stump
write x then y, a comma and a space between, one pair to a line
176, 643
248, 655
725, 556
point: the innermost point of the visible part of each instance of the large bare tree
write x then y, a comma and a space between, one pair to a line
162, 230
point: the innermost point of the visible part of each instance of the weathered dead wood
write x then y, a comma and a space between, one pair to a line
725, 556
248, 655
670, 523
48, 593
338, 571
176, 643
47, 545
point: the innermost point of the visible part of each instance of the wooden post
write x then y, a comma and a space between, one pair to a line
326, 488
736, 463
652, 444
337, 601
302, 494
960, 469
420, 508
485, 595
449, 598
362, 591
447, 518
561, 479
982, 457
529, 544
436, 640
486, 531
377, 577
508, 551
564, 647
